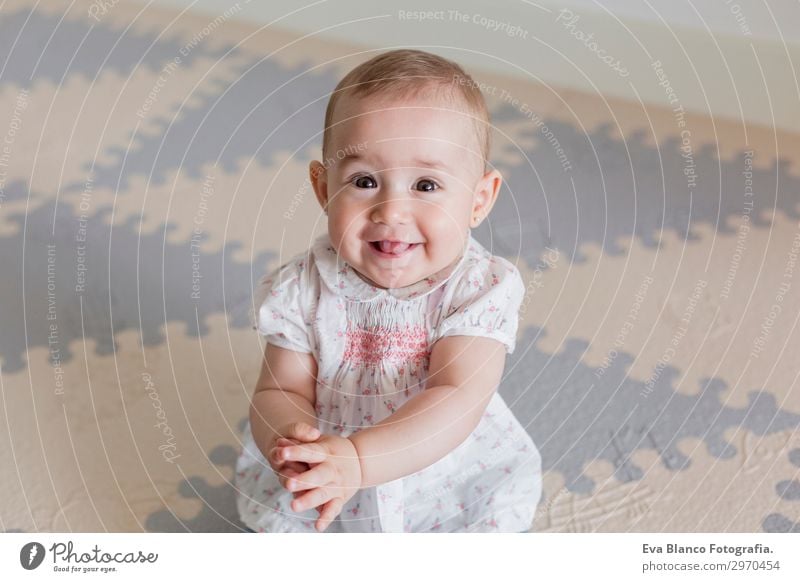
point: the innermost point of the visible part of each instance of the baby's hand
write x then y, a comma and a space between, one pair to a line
296, 433
334, 476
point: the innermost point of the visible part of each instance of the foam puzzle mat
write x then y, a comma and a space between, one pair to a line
141, 198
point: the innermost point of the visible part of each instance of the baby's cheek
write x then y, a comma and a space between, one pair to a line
454, 216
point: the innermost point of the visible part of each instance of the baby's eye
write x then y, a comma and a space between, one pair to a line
364, 182
427, 185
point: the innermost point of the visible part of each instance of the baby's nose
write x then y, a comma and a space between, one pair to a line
392, 209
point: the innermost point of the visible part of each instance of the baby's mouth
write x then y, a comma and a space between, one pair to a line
392, 247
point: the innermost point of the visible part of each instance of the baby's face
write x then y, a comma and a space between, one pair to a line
405, 186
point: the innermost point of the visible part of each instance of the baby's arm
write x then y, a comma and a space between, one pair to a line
285, 394
463, 376
464, 372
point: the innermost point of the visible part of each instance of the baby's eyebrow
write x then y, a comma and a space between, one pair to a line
435, 164
351, 158
415, 163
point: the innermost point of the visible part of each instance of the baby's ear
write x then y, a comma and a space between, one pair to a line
319, 181
316, 169
485, 196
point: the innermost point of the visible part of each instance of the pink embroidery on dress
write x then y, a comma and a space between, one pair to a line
397, 346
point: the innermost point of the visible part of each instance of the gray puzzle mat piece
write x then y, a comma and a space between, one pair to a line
790, 491
146, 271
576, 416
218, 512
37, 46
232, 121
777, 523
538, 207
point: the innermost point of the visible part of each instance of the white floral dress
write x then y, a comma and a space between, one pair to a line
372, 348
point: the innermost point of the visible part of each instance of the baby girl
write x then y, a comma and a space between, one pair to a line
377, 408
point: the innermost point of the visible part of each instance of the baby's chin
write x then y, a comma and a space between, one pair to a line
403, 280
380, 273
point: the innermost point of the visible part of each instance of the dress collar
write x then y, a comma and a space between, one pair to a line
341, 278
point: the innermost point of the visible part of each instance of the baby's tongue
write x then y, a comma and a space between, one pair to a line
393, 247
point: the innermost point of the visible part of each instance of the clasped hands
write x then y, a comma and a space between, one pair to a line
322, 471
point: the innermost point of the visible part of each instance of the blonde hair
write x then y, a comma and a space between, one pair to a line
408, 72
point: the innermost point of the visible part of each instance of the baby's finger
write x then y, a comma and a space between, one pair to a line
329, 513
286, 472
302, 431
284, 442
309, 452
312, 498
298, 466
274, 458
320, 475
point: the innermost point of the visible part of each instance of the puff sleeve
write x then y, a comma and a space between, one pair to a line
281, 317
486, 302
